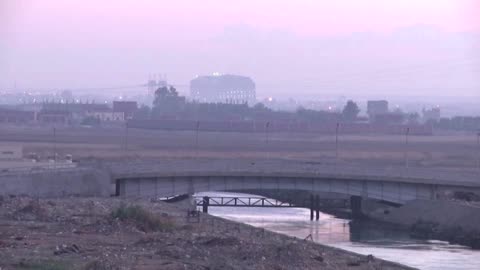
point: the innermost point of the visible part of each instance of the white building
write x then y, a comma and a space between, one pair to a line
223, 89
376, 107
107, 116
432, 114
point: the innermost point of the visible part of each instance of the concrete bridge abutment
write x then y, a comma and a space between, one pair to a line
356, 207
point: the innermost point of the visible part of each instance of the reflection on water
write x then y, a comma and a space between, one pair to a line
360, 237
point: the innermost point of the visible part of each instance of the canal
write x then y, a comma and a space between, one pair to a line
360, 237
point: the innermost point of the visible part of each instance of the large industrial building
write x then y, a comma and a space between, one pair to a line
223, 89
376, 107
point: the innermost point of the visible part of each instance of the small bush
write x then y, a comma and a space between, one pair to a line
143, 219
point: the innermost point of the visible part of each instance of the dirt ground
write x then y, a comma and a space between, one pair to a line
82, 233
440, 151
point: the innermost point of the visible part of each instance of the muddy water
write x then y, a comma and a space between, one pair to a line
363, 237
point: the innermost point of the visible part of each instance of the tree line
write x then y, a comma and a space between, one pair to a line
168, 104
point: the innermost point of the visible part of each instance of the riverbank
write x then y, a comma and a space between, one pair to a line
453, 221
92, 233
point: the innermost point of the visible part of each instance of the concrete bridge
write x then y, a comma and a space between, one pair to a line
166, 178
395, 185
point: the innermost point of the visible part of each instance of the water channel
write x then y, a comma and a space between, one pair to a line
359, 237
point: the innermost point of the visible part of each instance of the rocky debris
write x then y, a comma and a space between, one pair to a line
447, 220
98, 265
453, 234
31, 212
63, 249
424, 229
369, 259
466, 196
83, 234
218, 241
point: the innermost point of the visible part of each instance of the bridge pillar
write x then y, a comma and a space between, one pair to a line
356, 206
206, 202
311, 206
117, 188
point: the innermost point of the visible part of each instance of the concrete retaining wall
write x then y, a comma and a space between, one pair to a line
49, 184
447, 214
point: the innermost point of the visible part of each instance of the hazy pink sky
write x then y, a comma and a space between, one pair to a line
303, 17
45, 43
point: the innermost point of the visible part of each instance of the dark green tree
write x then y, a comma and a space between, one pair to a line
167, 101
350, 111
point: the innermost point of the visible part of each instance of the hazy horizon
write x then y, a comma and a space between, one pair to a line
302, 48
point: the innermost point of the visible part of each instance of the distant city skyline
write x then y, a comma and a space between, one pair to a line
305, 47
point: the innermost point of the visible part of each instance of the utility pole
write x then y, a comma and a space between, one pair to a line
267, 125
336, 143
54, 148
126, 137
266, 132
197, 128
406, 147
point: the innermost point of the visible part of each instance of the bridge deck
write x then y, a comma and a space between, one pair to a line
297, 169
396, 185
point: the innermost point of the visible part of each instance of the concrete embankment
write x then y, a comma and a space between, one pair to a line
456, 222
54, 183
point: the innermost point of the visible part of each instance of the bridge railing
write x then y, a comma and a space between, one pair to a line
240, 202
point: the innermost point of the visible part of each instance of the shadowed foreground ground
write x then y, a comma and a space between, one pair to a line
95, 233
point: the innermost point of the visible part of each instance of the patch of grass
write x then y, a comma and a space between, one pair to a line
43, 265
143, 219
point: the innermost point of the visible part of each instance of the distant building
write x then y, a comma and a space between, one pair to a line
107, 115
74, 107
155, 82
128, 108
376, 107
388, 119
11, 152
73, 112
432, 114
16, 116
223, 89
61, 117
